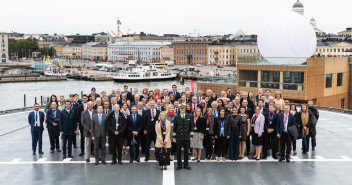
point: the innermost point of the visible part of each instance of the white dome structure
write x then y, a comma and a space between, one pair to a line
287, 38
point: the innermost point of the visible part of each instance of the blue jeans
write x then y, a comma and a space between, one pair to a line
67, 140
37, 134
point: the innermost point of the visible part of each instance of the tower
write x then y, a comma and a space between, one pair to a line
298, 7
118, 26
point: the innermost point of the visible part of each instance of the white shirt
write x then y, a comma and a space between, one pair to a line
37, 122
68, 111
90, 113
285, 122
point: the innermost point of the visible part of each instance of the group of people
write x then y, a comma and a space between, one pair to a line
226, 124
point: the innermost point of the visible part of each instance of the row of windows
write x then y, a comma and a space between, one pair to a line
335, 50
328, 80
223, 56
247, 50
223, 51
193, 51
195, 58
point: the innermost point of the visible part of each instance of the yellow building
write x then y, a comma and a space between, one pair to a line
59, 50
335, 49
100, 52
222, 54
73, 51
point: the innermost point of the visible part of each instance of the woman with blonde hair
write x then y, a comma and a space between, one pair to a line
170, 116
279, 99
163, 138
304, 120
199, 131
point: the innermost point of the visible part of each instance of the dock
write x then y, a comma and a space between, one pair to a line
31, 79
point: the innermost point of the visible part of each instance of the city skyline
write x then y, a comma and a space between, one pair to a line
159, 17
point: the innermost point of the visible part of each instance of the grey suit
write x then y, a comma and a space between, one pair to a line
86, 123
99, 132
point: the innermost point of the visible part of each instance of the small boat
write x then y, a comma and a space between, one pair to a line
53, 70
144, 73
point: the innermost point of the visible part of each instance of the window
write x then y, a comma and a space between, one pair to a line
287, 77
299, 77
328, 80
276, 76
339, 79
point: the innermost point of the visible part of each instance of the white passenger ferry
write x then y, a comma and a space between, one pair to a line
144, 73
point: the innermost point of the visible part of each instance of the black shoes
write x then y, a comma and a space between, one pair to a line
187, 167
113, 162
41, 152
120, 162
64, 156
313, 148
288, 160
33, 153
80, 154
264, 157
70, 156
281, 159
131, 160
88, 160
179, 167
275, 157
146, 159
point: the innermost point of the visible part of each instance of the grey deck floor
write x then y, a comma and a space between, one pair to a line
331, 163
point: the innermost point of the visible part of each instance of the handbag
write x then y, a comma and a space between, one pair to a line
164, 157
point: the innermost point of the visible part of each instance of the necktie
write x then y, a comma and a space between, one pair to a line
71, 106
175, 93
36, 119
194, 107
134, 118
100, 119
285, 122
152, 113
54, 113
117, 121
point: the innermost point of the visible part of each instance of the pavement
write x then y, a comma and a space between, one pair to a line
330, 163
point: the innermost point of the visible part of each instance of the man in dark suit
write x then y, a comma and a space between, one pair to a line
265, 104
74, 107
152, 116
260, 94
36, 119
99, 135
189, 96
313, 130
245, 97
182, 135
142, 113
52, 121
93, 93
232, 96
159, 106
82, 107
116, 127
177, 109
270, 135
174, 91
86, 123
107, 109
135, 126
285, 120
68, 126
195, 104
263, 110
128, 93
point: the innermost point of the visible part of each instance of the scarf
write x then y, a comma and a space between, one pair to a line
305, 120
171, 114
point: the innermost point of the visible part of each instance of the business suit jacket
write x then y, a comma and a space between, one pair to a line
273, 124
111, 122
108, 111
280, 123
217, 126
200, 125
210, 126
161, 108
259, 124
50, 119
68, 122
149, 124
86, 122
31, 120
97, 129
137, 126
177, 96
183, 128
159, 136
74, 106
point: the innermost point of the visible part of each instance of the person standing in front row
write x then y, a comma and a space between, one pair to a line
162, 130
258, 121
208, 138
116, 125
285, 120
152, 116
199, 131
52, 116
222, 134
36, 119
134, 130
183, 134
99, 135
86, 123
68, 125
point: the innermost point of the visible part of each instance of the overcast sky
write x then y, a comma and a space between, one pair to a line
161, 16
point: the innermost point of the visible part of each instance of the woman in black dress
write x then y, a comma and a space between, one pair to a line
244, 130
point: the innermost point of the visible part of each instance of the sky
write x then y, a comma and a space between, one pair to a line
162, 16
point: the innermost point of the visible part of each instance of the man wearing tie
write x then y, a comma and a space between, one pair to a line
52, 117
99, 135
182, 135
107, 109
74, 107
199, 96
177, 110
36, 119
174, 91
86, 120
116, 126
68, 126
135, 126
142, 113
82, 107
214, 105
159, 106
285, 120
260, 94
195, 104
149, 128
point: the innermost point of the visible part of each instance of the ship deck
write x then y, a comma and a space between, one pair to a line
329, 164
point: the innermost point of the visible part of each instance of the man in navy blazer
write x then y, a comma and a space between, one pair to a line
285, 120
135, 126
152, 115
52, 121
36, 119
174, 91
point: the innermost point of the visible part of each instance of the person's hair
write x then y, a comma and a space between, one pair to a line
260, 100
125, 86
133, 106
222, 108
267, 90
278, 92
162, 112
222, 103
67, 100
84, 95
36, 104
124, 104
100, 106
256, 107
295, 107
305, 106
189, 105
195, 112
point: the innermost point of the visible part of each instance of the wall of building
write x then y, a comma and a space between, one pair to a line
215, 87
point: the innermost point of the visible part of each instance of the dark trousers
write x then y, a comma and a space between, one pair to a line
185, 145
37, 134
134, 154
208, 145
54, 138
305, 143
150, 137
142, 143
116, 143
248, 143
67, 142
293, 142
221, 146
99, 145
314, 141
234, 145
74, 140
81, 130
285, 139
270, 141
173, 148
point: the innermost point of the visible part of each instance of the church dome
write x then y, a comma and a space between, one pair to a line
298, 5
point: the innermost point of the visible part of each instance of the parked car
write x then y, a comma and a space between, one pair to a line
219, 66
199, 65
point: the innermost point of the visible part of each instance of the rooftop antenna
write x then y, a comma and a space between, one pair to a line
118, 26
